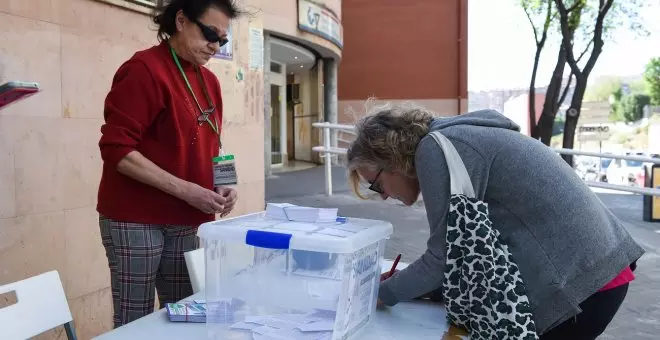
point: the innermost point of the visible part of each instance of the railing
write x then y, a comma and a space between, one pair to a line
327, 151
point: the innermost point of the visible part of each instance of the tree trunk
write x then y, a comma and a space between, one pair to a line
550, 105
572, 117
532, 94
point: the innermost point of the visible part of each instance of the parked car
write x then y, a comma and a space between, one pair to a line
626, 172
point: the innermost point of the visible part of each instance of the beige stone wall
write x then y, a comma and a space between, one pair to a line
281, 16
49, 159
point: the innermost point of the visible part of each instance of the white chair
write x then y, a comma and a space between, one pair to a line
196, 269
41, 305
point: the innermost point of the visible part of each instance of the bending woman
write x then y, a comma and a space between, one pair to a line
573, 255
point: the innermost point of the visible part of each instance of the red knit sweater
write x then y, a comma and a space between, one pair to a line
149, 109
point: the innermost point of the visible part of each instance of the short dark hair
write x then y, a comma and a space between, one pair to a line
165, 14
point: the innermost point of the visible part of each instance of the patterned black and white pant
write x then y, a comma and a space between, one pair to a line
144, 257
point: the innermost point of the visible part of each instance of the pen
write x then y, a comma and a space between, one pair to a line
396, 262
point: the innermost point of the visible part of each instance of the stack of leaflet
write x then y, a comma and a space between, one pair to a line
291, 212
186, 312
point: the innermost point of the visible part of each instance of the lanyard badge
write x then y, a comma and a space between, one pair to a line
224, 166
224, 170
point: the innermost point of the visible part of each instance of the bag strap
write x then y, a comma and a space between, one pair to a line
459, 179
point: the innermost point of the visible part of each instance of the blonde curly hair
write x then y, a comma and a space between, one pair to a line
387, 138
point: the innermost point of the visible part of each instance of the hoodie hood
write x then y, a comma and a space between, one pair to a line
485, 118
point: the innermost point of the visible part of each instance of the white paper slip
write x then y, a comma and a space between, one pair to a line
246, 326
263, 330
295, 318
319, 326
282, 334
323, 314
290, 212
256, 319
276, 210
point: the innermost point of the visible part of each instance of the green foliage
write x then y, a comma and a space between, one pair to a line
538, 11
652, 80
602, 89
629, 108
558, 126
606, 86
638, 86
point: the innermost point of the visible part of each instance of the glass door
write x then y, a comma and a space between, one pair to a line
275, 133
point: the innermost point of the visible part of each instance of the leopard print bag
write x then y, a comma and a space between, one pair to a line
483, 289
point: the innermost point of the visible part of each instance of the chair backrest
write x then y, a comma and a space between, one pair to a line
41, 305
196, 269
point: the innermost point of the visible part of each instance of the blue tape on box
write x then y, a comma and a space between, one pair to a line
267, 239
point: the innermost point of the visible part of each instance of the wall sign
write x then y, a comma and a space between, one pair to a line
256, 47
319, 20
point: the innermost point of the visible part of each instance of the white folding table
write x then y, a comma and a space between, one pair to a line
407, 320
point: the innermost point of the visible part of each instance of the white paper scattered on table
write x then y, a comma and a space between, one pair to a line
312, 326
319, 326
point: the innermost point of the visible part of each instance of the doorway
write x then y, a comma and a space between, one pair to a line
278, 118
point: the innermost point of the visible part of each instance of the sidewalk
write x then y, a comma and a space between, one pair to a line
638, 318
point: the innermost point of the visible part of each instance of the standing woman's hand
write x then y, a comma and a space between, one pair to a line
204, 199
231, 197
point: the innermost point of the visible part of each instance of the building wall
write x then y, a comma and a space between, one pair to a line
49, 159
416, 51
517, 109
281, 22
281, 17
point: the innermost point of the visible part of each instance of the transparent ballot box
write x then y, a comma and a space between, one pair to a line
277, 279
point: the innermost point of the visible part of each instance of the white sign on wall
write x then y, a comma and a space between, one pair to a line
317, 19
256, 48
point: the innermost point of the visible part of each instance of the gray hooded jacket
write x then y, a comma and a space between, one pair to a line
566, 243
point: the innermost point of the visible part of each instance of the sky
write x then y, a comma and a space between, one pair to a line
501, 47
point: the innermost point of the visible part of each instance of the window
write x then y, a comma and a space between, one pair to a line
275, 67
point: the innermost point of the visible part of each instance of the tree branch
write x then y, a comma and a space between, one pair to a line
604, 8
546, 24
567, 36
531, 22
586, 49
548, 21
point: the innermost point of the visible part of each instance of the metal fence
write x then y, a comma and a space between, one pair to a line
327, 152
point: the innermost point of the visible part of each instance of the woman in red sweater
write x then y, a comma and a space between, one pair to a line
163, 127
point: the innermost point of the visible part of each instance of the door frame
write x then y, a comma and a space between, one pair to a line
279, 80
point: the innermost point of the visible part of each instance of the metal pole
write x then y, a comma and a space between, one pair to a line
328, 161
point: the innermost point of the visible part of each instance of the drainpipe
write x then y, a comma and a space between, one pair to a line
459, 53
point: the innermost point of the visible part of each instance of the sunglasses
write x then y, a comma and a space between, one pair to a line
375, 185
210, 35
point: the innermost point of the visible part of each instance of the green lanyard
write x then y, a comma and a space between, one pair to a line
205, 115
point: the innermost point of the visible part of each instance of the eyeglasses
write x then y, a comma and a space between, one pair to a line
210, 35
375, 185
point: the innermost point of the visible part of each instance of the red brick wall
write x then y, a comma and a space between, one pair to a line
412, 49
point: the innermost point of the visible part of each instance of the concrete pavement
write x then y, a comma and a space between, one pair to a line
638, 318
